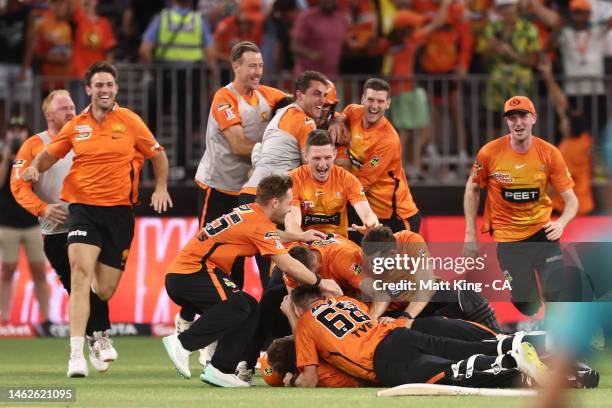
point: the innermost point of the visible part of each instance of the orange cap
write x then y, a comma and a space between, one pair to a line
519, 103
271, 377
331, 98
408, 19
252, 9
580, 5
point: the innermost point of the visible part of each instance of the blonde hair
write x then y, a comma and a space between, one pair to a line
47, 101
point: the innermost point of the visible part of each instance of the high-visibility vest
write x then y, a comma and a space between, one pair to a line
180, 37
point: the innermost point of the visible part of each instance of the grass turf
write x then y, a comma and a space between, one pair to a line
144, 377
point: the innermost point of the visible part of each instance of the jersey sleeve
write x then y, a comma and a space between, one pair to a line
347, 271
272, 95
297, 187
479, 169
380, 157
225, 109
62, 144
144, 139
349, 113
560, 176
305, 344
22, 191
267, 241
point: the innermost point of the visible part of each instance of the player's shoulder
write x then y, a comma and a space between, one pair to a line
496, 145
32, 142
128, 115
407, 236
224, 94
353, 109
271, 93
299, 172
342, 173
544, 145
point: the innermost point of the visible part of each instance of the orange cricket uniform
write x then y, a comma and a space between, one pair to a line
340, 261
53, 36
246, 231
517, 202
94, 39
228, 33
340, 332
298, 124
106, 159
376, 157
323, 205
577, 154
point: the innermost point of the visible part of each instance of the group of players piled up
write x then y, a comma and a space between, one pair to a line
276, 179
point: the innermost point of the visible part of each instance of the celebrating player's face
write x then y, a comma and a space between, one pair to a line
375, 103
313, 99
249, 70
103, 90
320, 160
520, 124
60, 111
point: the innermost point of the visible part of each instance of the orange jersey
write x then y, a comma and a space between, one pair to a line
577, 154
54, 37
246, 231
323, 205
295, 122
517, 202
340, 261
376, 157
105, 165
340, 332
23, 190
93, 41
225, 104
229, 33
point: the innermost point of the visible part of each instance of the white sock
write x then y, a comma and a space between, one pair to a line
76, 346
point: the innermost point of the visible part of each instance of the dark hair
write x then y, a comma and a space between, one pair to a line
283, 102
302, 254
318, 137
302, 82
244, 46
304, 295
281, 355
100, 66
377, 84
378, 239
272, 186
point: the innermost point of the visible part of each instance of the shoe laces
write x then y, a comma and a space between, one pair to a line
103, 340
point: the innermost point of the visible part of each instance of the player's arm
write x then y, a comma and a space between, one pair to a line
288, 310
297, 271
471, 201
308, 378
240, 145
160, 199
41, 163
554, 229
366, 215
377, 308
301, 236
293, 220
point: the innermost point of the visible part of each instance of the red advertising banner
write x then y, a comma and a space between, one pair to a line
141, 296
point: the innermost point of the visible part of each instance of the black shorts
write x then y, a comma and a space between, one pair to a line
110, 228
213, 204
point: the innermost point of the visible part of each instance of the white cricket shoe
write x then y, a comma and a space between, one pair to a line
529, 363
213, 376
206, 354
94, 355
180, 324
103, 343
178, 355
245, 374
77, 367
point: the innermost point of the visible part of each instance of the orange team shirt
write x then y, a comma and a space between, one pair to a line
246, 231
105, 164
361, 27
323, 205
295, 122
341, 333
94, 38
517, 203
376, 157
53, 36
577, 154
340, 260
228, 33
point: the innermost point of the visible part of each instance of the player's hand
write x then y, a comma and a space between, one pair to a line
330, 288
313, 235
287, 306
385, 320
55, 213
30, 174
554, 230
160, 200
363, 229
339, 133
470, 247
287, 379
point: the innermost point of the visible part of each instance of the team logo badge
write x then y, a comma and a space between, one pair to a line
374, 161
118, 128
268, 371
356, 268
515, 102
229, 283
18, 163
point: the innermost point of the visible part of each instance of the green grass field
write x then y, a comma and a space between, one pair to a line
144, 377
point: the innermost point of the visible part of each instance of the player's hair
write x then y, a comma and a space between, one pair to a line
304, 295
378, 239
283, 102
244, 46
272, 186
377, 84
302, 254
281, 355
302, 82
318, 137
47, 101
101, 66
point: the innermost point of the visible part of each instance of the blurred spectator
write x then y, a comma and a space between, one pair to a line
575, 146
360, 54
544, 18
509, 47
581, 44
53, 41
317, 38
276, 48
16, 24
18, 227
135, 20
245, 25
216, 10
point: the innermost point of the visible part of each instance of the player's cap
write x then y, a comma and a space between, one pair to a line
501, 3
271, 377
252, 9
331, 98
582, 5
408, 19
520, 104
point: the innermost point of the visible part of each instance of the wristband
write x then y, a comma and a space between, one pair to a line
318, 280
406, 315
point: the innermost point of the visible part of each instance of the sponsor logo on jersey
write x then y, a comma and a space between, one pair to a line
313, 219
83, 136
278, 244
118, 128
222, 106
83, 128
18, 163
374, 161
521, 195
502, 177
271, 235
229, 114
308, 205
77, 233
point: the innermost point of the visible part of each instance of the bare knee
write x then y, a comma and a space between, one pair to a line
7, 271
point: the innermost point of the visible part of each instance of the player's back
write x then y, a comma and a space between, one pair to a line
245, 231
344, 334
